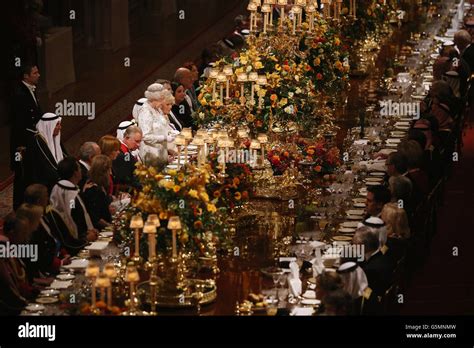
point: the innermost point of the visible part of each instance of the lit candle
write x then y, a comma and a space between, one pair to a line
179, 141
228, 72
221, 79
242, 78
261, 81
136, 224
265, 10
254, 145
252, 7
174, 224
150, 230
263, 139
253, 77
282, 3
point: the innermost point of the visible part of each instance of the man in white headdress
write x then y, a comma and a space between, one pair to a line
44, 151
354, 279
137, 107
377, 226
122, 127
66, 200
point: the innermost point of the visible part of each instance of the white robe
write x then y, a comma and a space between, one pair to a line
155, 127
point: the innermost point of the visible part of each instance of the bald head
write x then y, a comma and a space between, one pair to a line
184, 76
462, 39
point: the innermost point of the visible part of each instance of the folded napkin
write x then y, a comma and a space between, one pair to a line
60, 284
294, 281
361, 142
375, 166
97, 246
318, 265
77, 263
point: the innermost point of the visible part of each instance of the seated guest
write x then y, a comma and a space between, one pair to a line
123, 127
66, 200
377, 197
431, 155
326, 283
45, 151
444, 62
396, 164
21, 234
191, 66
337, 303
12, 300
400, 187
354, 279
441, 104
87, 152
165, 83
376, 226
124, 165
180, 115
377, 267
418, 177
33, 214
110, 147
51, 253
398, 229
185, 77
95, 195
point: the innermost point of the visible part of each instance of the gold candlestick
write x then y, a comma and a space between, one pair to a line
174, 224
92, 272
136, 224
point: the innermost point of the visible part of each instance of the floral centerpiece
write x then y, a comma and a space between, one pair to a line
328, 58
236, 188
326, 158
181, 193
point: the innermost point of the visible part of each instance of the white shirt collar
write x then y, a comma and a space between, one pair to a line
85, 164
30, 87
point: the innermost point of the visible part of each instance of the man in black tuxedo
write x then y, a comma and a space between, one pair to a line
87, 152
124, 164
377, 267
26, 112
463, 40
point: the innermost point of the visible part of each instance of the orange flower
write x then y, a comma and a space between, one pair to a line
198, 224
273, 97
217, 194
276, 158
318, 169
237, 196
236, 181
163, 215
245, 195
286, 154
310, 152
286, 67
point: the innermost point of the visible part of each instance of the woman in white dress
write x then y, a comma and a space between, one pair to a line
154, 122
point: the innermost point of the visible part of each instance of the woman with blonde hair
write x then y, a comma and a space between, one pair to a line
95, 194
110, 147
154, 122
398, 229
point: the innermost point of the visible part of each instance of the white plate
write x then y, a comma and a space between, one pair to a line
192, 147
310, 294
77, 264
34, 307
391, 145
106, 234
346, 230
354, 217
394, 141
172, 166
350, 224
47, 300
355, 212
310, 302
49, 292
373, 179
65, 276
377, 174
372, 183
402, 127
359, 200
359, 205
342, 238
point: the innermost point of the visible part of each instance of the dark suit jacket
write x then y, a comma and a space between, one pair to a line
84, 174
123, 168
378, 269
184, 117
25, 114
468, 56
97, 203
